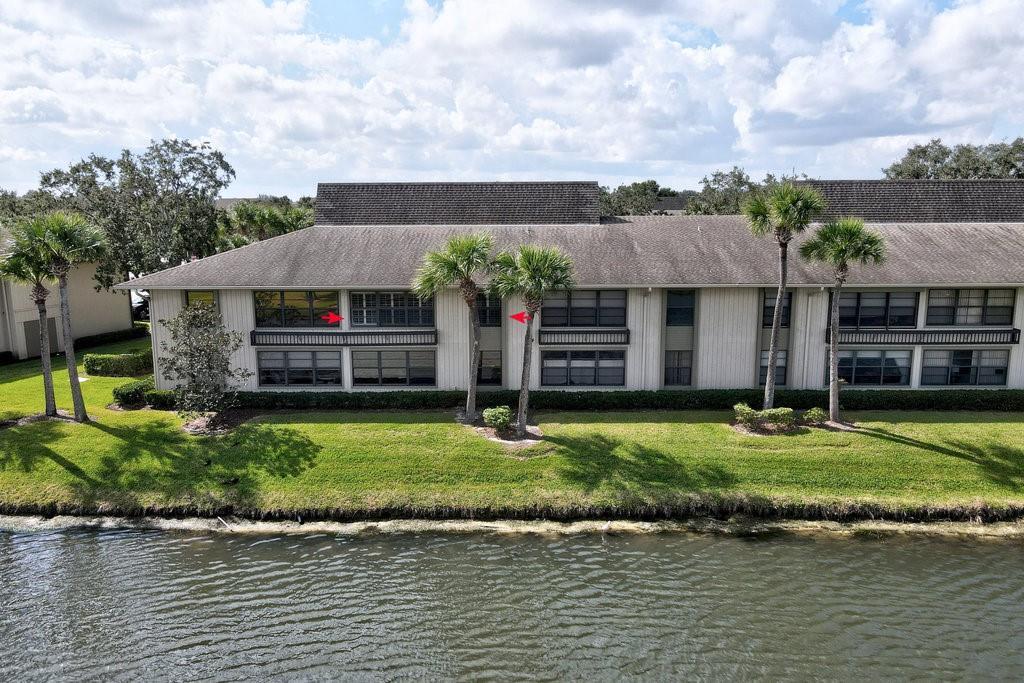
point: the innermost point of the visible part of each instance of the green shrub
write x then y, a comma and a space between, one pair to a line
133, 394
814, 416
136, 331
160, 399
773, 418
499, 418
745, 415
118, 364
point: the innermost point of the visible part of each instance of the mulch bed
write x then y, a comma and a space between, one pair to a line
221, 423
62, 416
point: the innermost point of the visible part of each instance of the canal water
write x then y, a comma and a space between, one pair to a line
158, 605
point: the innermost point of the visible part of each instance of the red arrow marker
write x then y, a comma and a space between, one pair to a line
521, 317
331, 317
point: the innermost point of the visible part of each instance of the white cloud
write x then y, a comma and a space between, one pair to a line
500, 89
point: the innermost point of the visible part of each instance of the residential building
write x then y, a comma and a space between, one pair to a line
93, 312
668, 301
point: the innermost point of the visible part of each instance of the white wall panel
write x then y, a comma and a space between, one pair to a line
644, 318
163, 305
237, 310
727, 340
454, 340
808, 351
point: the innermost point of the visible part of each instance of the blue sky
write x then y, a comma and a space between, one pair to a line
295, 91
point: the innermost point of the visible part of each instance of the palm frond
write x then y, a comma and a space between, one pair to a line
843, 243
462, 260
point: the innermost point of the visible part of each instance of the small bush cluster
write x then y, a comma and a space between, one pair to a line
136, 331
499, 418
118, 364
814, 416
160, 399
772, 419
133, 394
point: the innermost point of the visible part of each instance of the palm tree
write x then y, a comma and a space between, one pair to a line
781, 211
25, 262
530, 272
840, 244
69, 240
463, 259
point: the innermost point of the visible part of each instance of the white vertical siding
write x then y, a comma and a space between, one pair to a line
727, 324
807, 349
644, 318
163, 305
238, 313
92, 311
1015, 371
512, 355
5, 319
454, 340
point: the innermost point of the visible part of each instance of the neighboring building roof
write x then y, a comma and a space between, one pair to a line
677, 203
924, 201
636, 250
456, 203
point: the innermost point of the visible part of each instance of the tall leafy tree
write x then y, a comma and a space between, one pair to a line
25, 260
841, 244
937, 161
156, 209
462, 263
725, 192
782, 211
530, 272
69, 240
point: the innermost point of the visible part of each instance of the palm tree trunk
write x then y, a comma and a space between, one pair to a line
773, 346
524, 384
44, 357
69, 351
474, 365
833, 354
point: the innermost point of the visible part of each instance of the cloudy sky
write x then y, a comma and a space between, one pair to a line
296, 92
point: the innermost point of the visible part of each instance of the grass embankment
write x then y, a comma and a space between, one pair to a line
363, 465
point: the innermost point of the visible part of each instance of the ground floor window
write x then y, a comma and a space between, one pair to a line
490, 368
781, 363
201, 296
890, 368
965, 367
678, 368
410, 368
299, 368
583, 368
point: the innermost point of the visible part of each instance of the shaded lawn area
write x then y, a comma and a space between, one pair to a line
346, 463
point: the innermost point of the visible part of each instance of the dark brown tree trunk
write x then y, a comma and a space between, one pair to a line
474, 366
773, 346
833, 353
69, 350
524, 384
44, 352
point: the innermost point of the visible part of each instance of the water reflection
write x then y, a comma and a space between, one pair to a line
131, 604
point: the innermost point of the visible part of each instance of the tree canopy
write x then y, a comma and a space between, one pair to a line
635, 199
156, 209
937, 161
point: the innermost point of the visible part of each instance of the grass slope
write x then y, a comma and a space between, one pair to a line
347, 465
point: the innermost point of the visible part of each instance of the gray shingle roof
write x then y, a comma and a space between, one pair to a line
924, 201
456, 203
637, 250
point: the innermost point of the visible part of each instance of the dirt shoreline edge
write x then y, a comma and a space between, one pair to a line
736, 526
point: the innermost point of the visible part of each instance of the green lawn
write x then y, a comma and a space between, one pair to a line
422, 462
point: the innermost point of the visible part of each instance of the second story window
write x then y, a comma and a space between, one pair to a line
585, 308
679, 308
294, 308
768, 307
877, 309
488, 308
391, 309
970, 306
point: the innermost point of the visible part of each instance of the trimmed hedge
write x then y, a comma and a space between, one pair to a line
133, 394
118, 364
695, 399
136, 331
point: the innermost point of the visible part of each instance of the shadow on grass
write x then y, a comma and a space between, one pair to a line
999, 463
632, 471
158, 460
